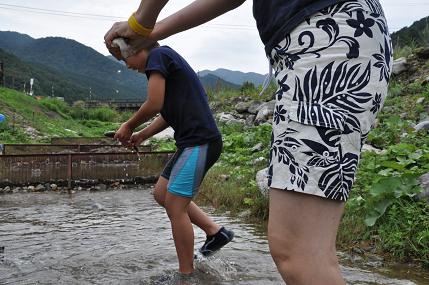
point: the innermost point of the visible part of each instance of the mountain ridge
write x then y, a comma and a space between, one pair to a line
81, 66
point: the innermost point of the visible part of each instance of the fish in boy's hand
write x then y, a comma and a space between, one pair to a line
111, 134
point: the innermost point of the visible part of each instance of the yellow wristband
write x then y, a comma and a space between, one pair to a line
137, 28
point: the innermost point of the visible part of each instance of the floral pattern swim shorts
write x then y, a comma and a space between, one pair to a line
333, 71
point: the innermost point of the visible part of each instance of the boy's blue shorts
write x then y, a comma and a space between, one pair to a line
186, 169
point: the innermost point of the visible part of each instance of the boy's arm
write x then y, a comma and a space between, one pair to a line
158, 125
152, 106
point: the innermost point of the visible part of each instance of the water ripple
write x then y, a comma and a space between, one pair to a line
124, 237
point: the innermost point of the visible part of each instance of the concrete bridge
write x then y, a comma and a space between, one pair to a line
123, 105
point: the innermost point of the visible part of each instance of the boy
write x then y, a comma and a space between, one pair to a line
175, 92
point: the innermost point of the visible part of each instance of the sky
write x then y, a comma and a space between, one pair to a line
230, 41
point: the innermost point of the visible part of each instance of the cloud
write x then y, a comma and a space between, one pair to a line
230, 41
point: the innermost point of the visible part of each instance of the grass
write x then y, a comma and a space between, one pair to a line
49, 117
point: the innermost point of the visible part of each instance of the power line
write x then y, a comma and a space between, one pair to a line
109, 18
99, 16
62, 12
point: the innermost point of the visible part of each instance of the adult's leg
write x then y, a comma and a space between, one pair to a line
302, 233
183, 233
197, 216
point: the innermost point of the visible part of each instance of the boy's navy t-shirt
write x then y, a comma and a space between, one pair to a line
186, 108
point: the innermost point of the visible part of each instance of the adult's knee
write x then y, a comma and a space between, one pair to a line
281, 250
300, 264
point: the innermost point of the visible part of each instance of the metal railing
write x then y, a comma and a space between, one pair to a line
20, 149
66, 168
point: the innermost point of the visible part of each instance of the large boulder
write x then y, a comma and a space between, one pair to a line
265, 111
249, 120
400, 65
241, 107
254, 107
423, 52
229, 118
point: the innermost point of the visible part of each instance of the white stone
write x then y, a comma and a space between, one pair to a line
168, 133
262, 181
424, 182
420, 100
367, 147
424, 125
257, 147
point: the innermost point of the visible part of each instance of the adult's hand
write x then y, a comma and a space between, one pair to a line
135, 42
146, 15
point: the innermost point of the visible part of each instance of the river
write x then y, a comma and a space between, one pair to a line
123, 237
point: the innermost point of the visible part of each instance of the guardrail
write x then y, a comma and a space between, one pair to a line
21, 149
83, 140
66, 168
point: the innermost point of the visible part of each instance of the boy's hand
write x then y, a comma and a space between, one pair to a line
123, 134
137, 138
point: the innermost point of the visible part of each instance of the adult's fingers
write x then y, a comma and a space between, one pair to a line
111, 34
118, 30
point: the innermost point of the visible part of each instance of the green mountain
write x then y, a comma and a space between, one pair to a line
17, 75
213, 82
236, 77
79, 64
75, 71
417, 34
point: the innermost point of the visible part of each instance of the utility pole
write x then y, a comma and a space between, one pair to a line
31, 86
2, 81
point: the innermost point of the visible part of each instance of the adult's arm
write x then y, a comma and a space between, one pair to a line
196, 13
146, 15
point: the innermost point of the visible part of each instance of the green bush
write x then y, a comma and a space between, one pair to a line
12, 134
103, 114
57, 106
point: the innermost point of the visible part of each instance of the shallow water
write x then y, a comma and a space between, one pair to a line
123, 237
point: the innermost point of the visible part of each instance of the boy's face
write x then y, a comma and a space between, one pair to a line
137, 61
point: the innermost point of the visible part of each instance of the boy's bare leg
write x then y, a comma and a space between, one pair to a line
197, 216
302, 233
183, 233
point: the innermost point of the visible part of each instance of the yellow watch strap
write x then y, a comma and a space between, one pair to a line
137, 27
